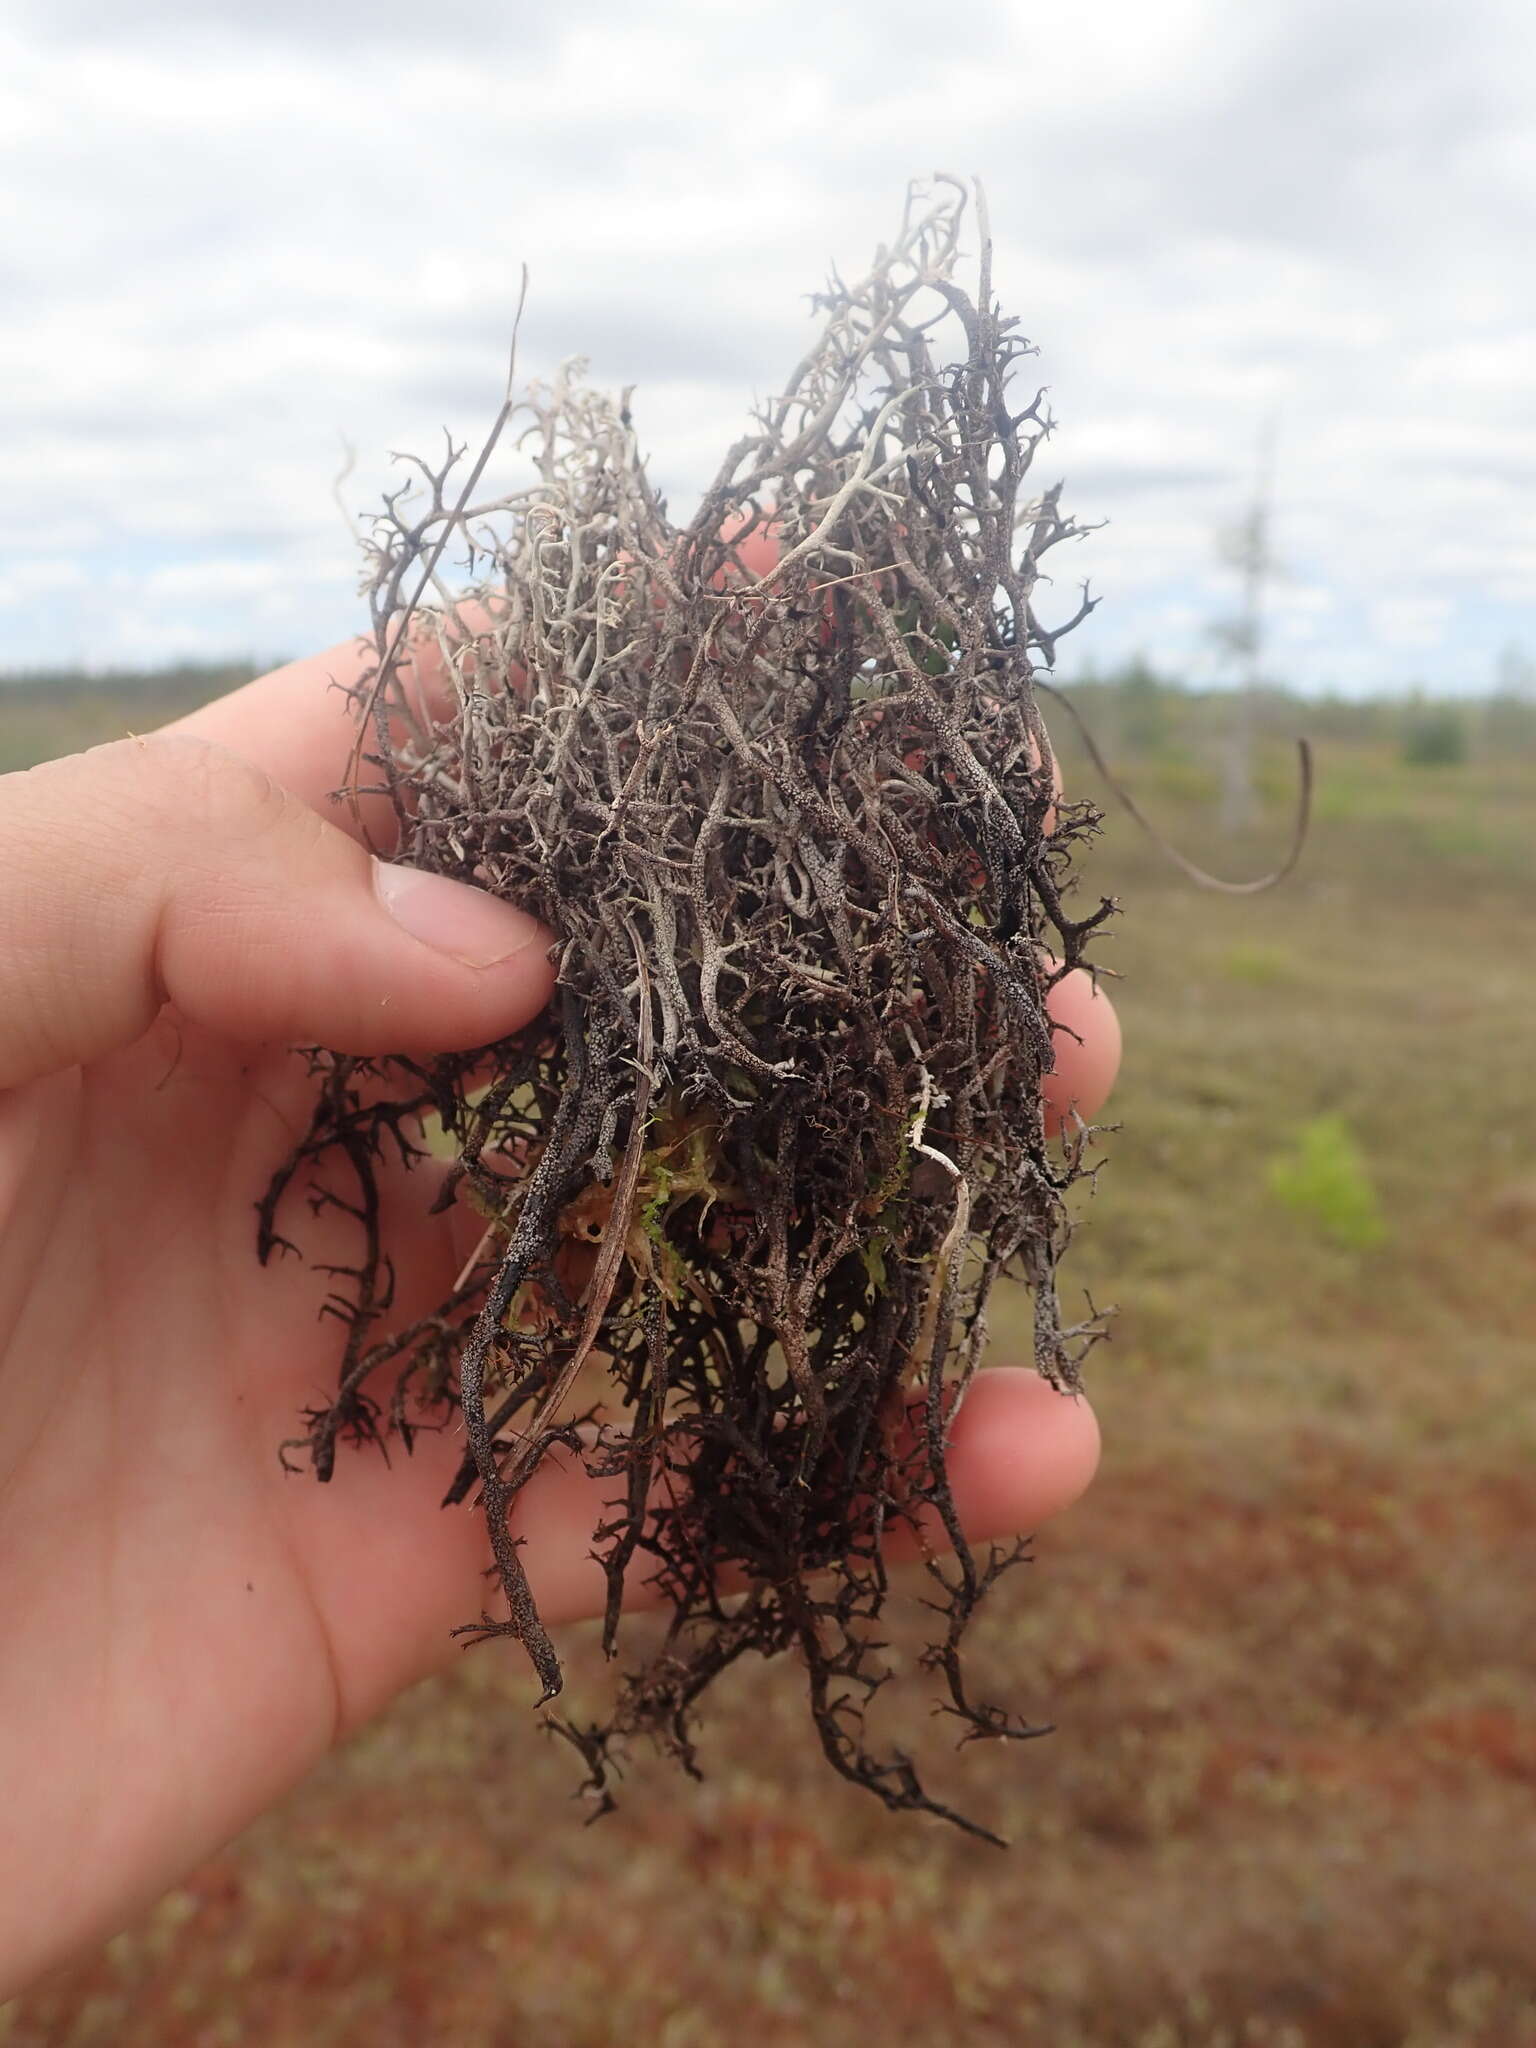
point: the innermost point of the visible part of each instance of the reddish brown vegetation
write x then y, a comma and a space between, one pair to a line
1292, 1805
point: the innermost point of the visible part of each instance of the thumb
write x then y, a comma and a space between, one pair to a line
168, 870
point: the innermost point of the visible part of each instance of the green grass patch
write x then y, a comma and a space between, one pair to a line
1259, 966
1323, 1177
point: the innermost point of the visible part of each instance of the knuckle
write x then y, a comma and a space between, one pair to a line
195, 786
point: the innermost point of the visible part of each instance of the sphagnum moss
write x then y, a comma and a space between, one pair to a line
782, 1130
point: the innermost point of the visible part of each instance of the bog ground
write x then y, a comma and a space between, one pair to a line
1288, 1643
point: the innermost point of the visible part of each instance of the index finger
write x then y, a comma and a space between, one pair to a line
300, 722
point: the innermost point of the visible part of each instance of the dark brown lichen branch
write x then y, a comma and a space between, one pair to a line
778, 780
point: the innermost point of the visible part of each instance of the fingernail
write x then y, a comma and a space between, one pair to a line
454, 918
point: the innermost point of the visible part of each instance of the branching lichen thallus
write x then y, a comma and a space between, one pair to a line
779, 782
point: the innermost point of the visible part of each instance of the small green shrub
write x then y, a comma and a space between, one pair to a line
1435, 737
1259, 966
1324, 1178
1143, 707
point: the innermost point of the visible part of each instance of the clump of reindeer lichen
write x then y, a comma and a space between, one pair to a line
779, 782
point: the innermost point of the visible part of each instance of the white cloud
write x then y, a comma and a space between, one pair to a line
1411, 622
228, 235
40, 577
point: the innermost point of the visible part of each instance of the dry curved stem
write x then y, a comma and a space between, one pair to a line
1300, 826
782, 1131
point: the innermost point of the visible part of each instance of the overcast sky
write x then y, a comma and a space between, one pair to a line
231, 234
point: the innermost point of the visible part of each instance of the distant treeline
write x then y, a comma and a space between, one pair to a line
50, 712
179, 678
1133, 708
1139, 711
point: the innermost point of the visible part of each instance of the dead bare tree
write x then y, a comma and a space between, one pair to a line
1247, 547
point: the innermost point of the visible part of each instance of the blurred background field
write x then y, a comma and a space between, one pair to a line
1288, 1642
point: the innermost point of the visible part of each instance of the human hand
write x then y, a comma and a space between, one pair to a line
185, 1628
